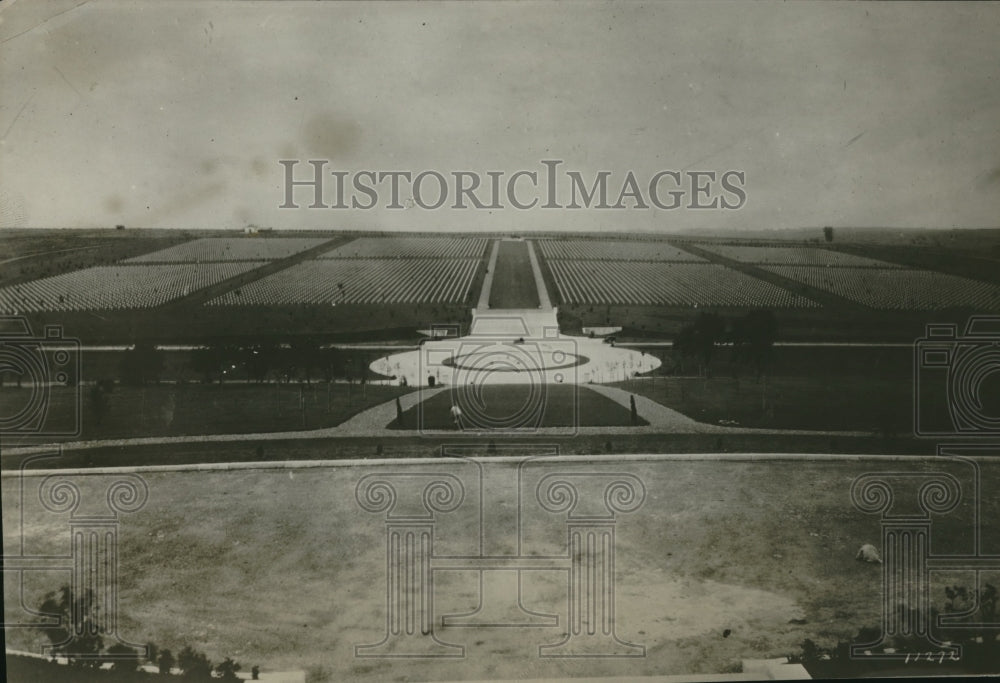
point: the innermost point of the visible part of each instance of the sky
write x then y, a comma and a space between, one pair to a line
176, 114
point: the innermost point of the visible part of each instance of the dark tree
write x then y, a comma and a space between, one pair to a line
129, 372
699, 339
335, 357
205, 363
217, 362
150, 361
165, 661
828, 234
227, 670
98, 402
123, 658
683, 344
306, 356
810, 651
260, 359
76, 636
229, 359
194, 665
753, 339
141, 364
326, 361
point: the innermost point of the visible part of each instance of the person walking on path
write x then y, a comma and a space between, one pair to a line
399, 414
456, 416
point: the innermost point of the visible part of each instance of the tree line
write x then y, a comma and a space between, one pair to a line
751, 336
79, 638
304, 359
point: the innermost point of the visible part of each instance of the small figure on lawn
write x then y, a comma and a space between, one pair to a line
456, 416
869, 553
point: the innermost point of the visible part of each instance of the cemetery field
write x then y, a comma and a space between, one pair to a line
896, 288
333, 282
124, 285
641, 283
112, 288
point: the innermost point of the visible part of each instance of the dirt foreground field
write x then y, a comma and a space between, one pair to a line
725, 560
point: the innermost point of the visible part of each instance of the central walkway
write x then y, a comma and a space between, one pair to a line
513, 270
541, 291
514, 345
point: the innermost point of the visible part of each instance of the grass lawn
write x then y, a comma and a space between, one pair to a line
848, 402
248, 324
525, 406
190, 409
282, 568
513, 280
